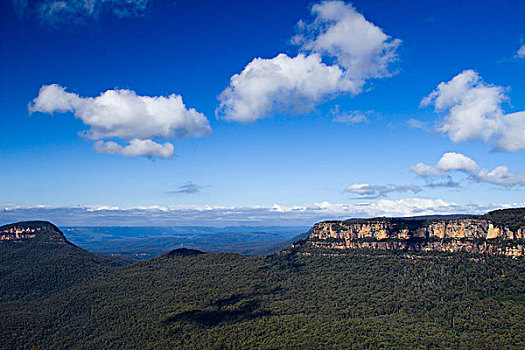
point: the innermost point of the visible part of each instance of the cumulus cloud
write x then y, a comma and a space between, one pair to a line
472, 110
355, 49
342, 33
521, 52
126, 116
457, 161
424, 170
375, 191
451, 161
281, 84
60, 11
220, 216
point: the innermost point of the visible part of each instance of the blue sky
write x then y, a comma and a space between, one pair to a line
348, 121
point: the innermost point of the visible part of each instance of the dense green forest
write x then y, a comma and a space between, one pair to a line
511, 218
62, 297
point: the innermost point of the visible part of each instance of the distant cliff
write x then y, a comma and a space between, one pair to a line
500, 232
32, 231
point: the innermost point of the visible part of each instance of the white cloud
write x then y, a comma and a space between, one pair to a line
513, 135
472, 111
60, 11
350, 117
500, 175
457, 161
136, 147
124, 115
356, 44
424, 170
107, 215
451, 161
107, 147
521, 52
293, 85
375, 191
281, 84
360, 189
417, 124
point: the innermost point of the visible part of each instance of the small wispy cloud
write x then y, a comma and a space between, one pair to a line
367, 191
187, 188
350, 117
67, 11
445, 184
417, 124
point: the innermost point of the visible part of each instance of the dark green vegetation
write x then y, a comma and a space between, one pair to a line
47, 264
302, 298
511, 218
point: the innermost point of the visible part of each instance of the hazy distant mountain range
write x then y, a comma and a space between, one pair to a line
148, 242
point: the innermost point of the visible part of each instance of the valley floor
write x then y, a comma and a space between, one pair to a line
297, 299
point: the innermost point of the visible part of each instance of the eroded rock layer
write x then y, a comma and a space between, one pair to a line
32, 230
500, 232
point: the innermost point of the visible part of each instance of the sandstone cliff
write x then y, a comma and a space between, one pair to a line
25, 231
500, 232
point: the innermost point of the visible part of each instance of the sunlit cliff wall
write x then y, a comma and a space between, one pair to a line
31, 230
475, 235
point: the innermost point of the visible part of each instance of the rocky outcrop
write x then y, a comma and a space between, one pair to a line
501, 233
27, 231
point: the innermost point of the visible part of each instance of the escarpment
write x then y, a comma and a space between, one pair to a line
499, 232
27, 231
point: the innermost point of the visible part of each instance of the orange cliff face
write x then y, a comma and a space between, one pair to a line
17, 233
31, 230
475, 235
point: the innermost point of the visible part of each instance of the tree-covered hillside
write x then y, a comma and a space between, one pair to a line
299, 299
46, 264
511, 218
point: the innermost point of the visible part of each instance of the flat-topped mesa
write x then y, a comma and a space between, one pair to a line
499, 232
32, 231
